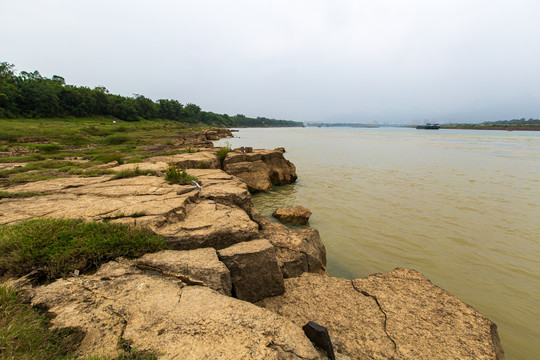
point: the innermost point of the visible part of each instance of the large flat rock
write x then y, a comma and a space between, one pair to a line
399, 315
200, 266
195, 160
156, 312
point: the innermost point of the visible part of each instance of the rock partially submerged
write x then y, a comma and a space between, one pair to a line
297, 215
260, 169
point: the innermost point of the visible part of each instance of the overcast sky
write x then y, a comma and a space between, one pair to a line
310, 60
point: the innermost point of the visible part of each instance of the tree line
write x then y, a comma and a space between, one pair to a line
31, 95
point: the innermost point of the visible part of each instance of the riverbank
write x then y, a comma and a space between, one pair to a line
179, 301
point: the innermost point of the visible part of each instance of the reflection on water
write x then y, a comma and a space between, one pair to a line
462, 207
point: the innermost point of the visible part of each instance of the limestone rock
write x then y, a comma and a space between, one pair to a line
254, 270
197, 139
193, 266
158, 313
298, 250
209, 224
399, 314
194, 160
212, 135
297, 215
260, 169
426, 321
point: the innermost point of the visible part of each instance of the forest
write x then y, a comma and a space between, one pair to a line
31, 95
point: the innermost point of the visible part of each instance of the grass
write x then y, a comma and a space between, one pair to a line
223, 151
58, 247
95, 139
129, 173
23, 194
175, 175
25, 333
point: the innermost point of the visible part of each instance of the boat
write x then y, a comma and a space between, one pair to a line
429, 126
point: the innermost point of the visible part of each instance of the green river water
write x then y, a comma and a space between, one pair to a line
460, 206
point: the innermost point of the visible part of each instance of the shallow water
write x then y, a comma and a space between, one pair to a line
462, 207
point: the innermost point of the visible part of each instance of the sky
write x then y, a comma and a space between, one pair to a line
371, 61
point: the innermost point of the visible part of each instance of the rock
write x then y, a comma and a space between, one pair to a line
254, 270
194, 160
319, 336
280, 149
197, 140
260, 169
298, 250
426, 321
209, 224
399, 314
298, 215
191, 266
212, 135
154, 312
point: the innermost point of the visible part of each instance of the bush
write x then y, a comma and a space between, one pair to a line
58, 247
132, 173
107, 158
177, 176
116, 139
223, 151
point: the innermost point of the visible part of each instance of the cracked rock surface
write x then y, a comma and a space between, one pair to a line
156, 312
396, 315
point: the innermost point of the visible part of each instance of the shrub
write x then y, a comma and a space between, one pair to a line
178, 176
223, 151
58, 247
124, 174
107, 158
116, 139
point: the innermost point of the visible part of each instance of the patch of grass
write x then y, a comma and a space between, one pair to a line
177, 176
13, 195
97, 172
128, 173
47, 148
189, 149
116, 139
26, 158
223, 151
58, 247
107, 158
25, 333
134, 159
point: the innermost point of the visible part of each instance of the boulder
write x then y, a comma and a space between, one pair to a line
200, 266
208, 223
254, 270
298, 215
298, 250
197, 139
155, 312
260, 169
212, 135
396, 315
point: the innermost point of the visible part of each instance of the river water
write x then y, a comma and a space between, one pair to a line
460, 206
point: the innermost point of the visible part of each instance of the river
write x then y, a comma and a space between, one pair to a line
460, 206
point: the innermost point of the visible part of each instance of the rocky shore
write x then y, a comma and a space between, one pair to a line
234, 285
